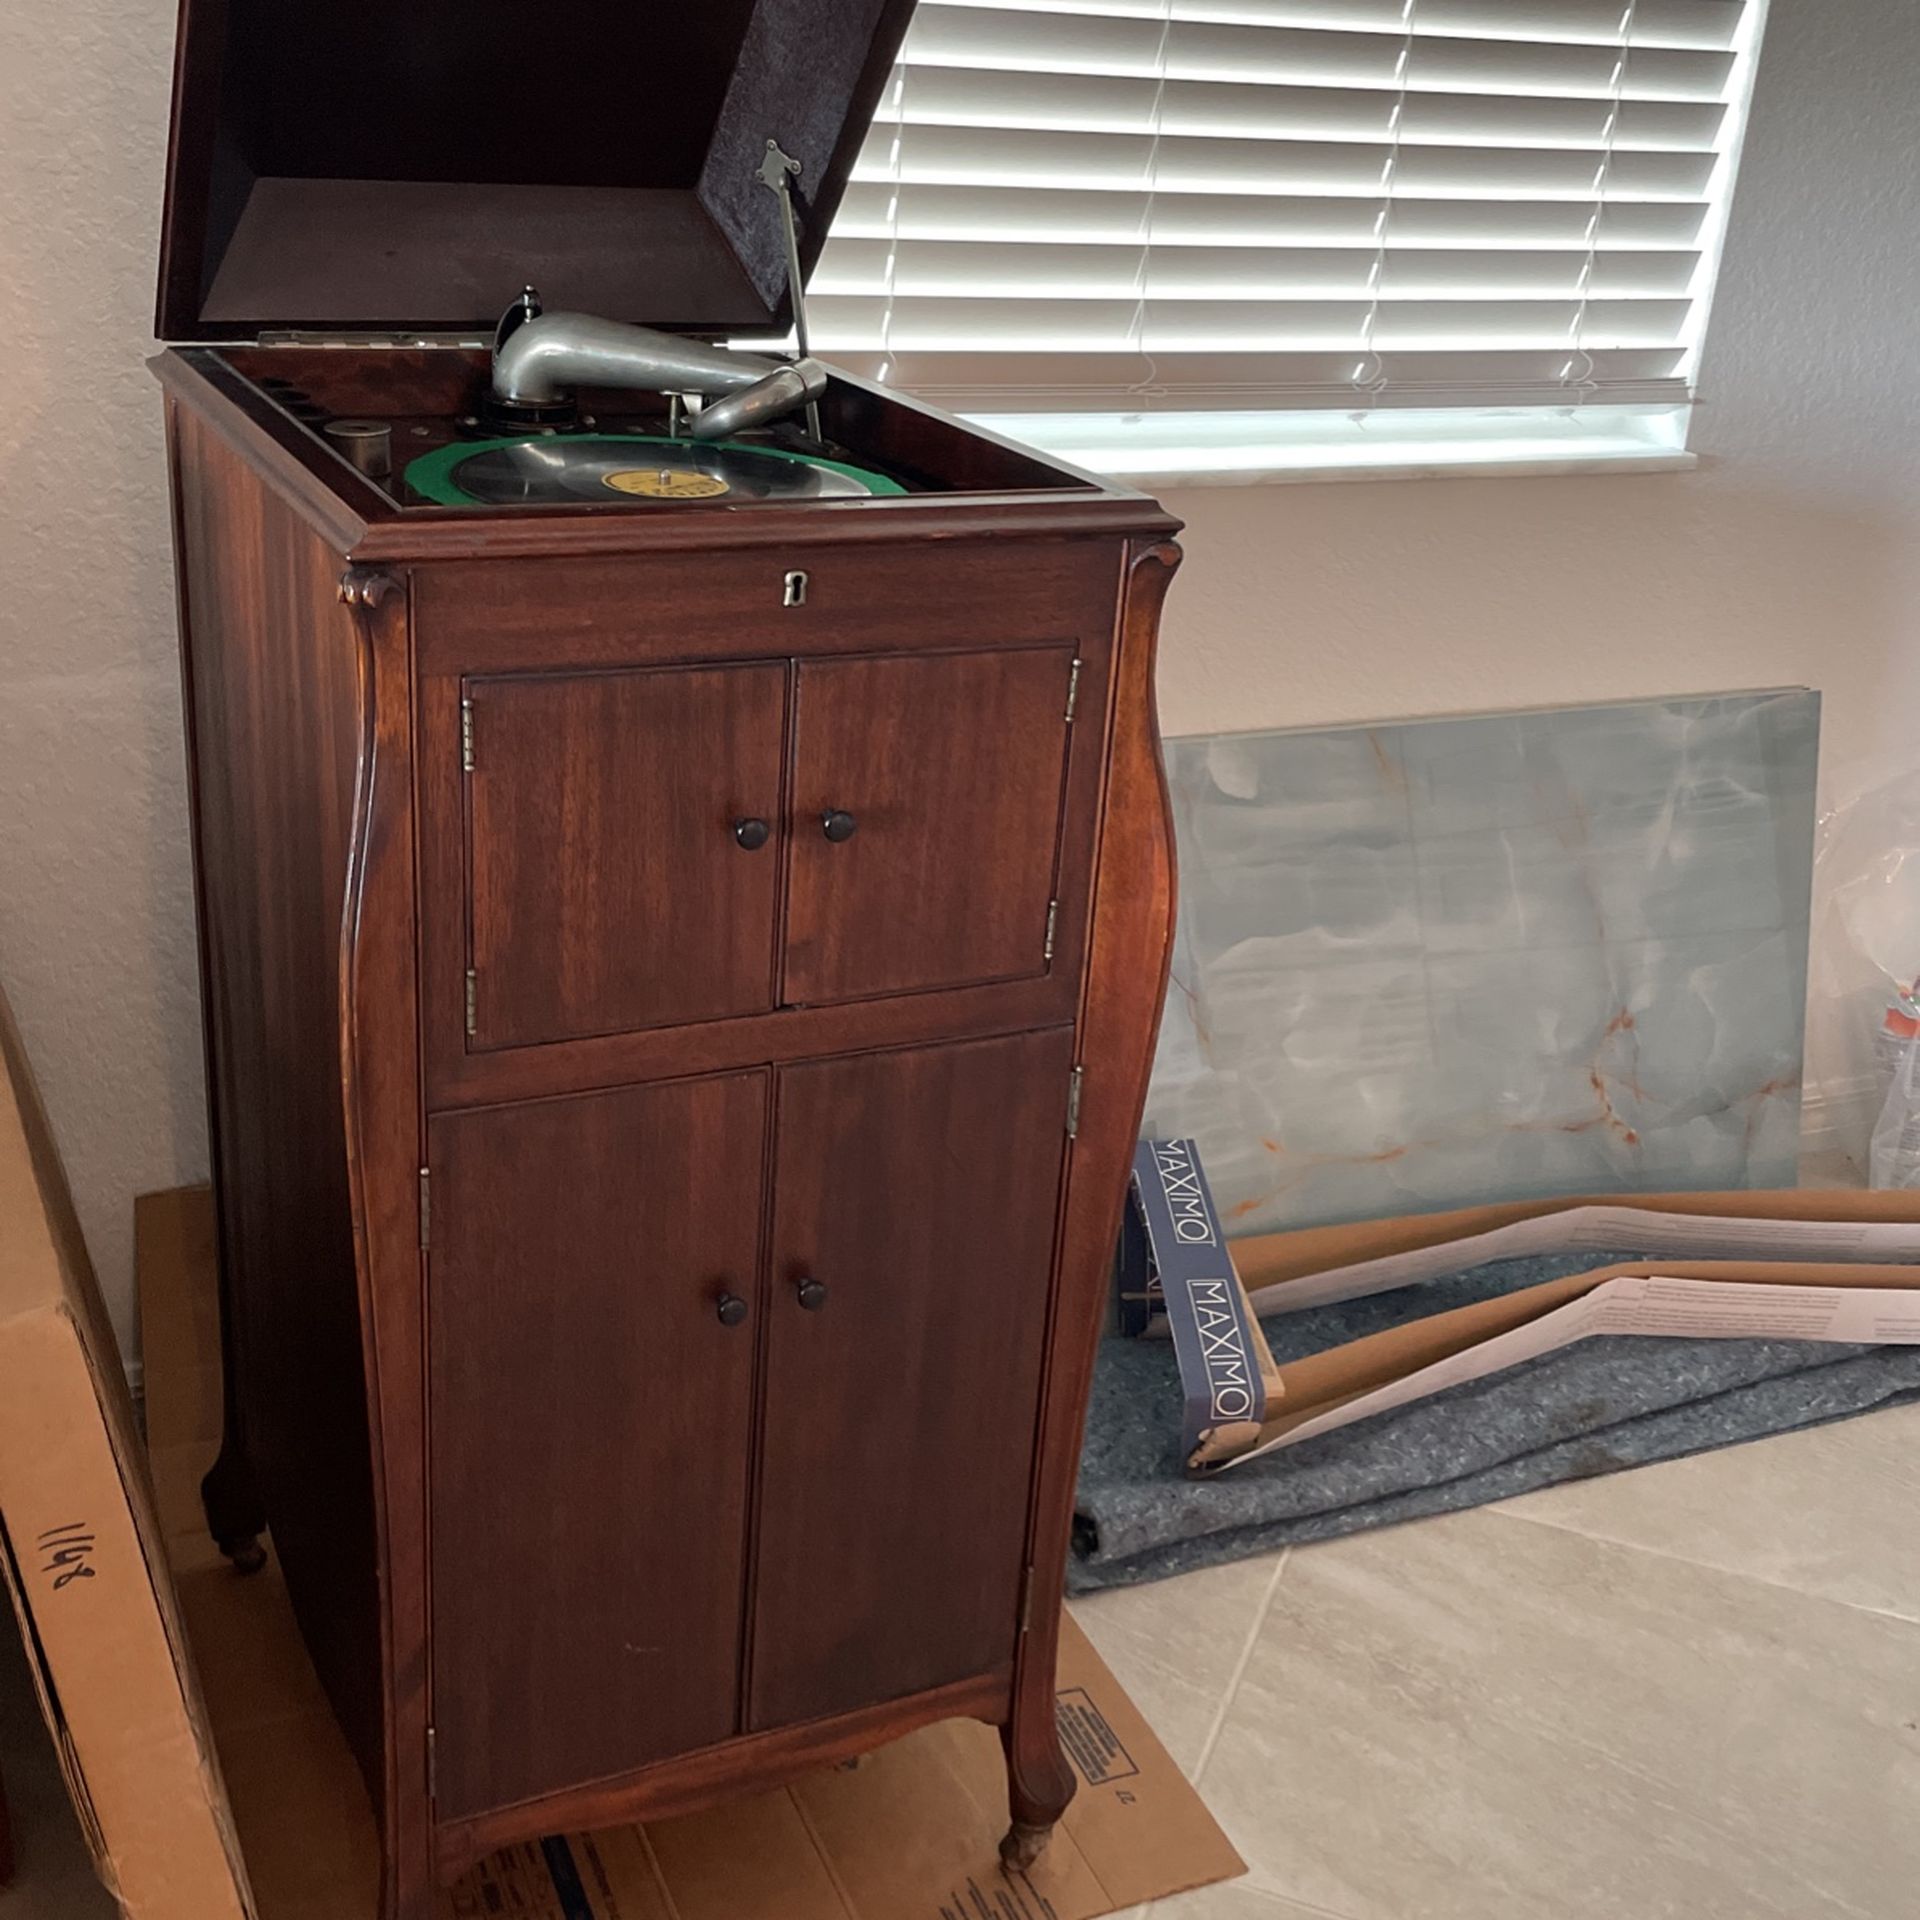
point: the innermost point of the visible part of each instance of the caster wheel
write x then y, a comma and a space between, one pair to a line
1023, 1846
248, 1556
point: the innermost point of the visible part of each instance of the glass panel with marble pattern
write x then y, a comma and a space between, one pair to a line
1433, 963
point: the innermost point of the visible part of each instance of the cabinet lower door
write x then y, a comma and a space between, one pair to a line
591, 1410
915, 1202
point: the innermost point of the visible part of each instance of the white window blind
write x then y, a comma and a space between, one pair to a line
1191, 205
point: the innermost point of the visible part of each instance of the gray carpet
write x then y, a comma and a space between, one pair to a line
1592, 1408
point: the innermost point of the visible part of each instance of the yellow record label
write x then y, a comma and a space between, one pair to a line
666, 483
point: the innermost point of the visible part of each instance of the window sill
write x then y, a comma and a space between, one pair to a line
1232, 450
1678, 461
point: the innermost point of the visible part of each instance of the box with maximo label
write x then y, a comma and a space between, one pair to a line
1814, 1265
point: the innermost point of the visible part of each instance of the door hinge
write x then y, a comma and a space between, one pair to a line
1053, 922
466, 736
433, 1766
1074, 1084
473, 1001
426, 1207
1026, 1599
1073, 688
362, 342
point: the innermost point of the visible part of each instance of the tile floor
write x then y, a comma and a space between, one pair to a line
1691, 1691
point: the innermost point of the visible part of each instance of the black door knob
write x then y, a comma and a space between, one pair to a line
836, 825
813, 1296
752, 834
731, 1309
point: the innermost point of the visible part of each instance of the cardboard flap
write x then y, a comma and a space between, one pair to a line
84, 1557
345, 166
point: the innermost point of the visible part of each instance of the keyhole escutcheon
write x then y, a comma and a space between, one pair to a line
796, 594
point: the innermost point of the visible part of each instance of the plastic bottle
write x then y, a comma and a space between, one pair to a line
1893, 1158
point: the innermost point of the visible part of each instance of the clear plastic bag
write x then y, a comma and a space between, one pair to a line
1863, 1009
1893, 1152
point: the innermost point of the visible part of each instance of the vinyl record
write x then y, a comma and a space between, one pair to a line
637, 469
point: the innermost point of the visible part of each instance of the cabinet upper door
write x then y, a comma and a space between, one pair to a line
914, 1206
591, 1358
926, 820
624, 848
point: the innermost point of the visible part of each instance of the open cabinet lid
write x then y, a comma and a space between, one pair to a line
351, 166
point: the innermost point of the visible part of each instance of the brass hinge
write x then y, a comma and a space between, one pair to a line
473, 1001
433, 1766
426, 1208
1073, 688
1053, 921
466, 736
1026, 1599
361, 342
1074, 1084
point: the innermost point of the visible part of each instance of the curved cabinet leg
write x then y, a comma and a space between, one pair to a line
1131, 943
1040, 1785
235, 1516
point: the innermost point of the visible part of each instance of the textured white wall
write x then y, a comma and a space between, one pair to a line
1790, 557
96, 931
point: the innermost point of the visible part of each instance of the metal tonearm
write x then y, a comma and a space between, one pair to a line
778, 171
539, 357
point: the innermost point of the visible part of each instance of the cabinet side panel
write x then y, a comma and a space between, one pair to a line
271, 676
1130, 944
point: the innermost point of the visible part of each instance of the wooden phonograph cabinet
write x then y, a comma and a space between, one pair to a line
683, 917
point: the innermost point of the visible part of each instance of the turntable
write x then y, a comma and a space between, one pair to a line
632, 466
684, 890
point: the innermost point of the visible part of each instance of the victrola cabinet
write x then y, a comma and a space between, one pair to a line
680, 968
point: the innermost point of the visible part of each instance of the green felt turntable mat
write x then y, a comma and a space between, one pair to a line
432, 474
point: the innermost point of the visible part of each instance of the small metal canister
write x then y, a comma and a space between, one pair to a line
367, 443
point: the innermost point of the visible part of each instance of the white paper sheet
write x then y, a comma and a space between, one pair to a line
1690, 1309
1595, 1229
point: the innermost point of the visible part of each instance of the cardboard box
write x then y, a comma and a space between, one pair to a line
1685, 1299
1175, 1274
1266, 1262
1782, 1263
1814, 1264
910, 1833
82, 1558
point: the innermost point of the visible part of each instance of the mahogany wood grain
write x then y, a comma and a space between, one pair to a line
415, 195
950, 767
610, 887
714, 1046
590, 1420
457, 534
272, 682
1129, 950
326, 637
1002, 503
753, 1763
460, 1073
918, 1190
685, 606
386, 1145
914, 440
309, 476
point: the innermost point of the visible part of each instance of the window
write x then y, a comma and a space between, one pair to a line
1222, 224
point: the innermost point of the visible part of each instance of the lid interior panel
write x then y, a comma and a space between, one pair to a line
349, 164
379, 254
